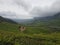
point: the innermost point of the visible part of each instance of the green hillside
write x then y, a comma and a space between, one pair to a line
37, 33
11, 38
8, 26
51, 23
2, 19
10, 35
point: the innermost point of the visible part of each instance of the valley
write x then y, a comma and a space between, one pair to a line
39, 32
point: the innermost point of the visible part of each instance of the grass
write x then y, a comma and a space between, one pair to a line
10, 35
9, 27
11, 38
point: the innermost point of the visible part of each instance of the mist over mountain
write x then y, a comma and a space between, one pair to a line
3, 20
8, 14
47, 18
29, 9
24, 21
48, 21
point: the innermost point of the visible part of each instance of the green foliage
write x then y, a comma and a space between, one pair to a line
11, 38
33, 35
8, 26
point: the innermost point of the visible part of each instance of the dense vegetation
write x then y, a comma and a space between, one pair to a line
45, 32
11, 38
10, 35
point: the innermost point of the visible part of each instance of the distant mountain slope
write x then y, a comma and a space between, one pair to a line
49, 20
23, 21
2, 19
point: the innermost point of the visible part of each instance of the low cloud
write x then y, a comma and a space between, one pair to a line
22, 3
8, 14
29, 8
46, 11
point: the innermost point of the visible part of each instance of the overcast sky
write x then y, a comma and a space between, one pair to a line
28, 9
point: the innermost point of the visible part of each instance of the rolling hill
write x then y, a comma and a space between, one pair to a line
40, 32
2, 19
55, 19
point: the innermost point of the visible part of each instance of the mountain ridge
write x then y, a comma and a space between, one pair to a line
2, 19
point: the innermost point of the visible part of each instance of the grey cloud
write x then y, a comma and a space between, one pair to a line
7, 14
36, 11
46, 11
56, 6
23, 4
19, 3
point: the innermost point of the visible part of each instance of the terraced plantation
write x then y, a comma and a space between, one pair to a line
29, 22
10, 35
